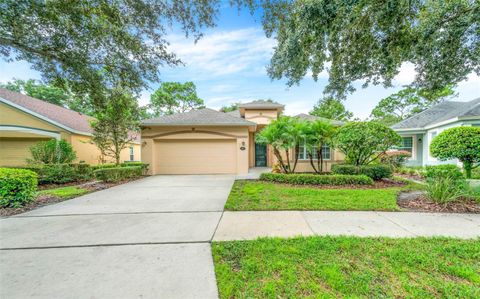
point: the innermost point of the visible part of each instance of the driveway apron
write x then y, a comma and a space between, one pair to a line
148, 238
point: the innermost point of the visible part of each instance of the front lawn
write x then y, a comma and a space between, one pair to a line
257, 195
64, 192
348, 267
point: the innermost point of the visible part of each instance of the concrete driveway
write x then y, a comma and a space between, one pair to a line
148, 238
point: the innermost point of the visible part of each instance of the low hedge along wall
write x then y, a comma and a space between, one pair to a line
144, 166
376, 172
17, 187
115, 174
315, 179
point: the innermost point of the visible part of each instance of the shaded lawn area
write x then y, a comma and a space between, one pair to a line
339, 267
257, 195
64, 192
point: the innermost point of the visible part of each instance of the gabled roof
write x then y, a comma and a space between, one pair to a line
67, 119
72, 121
261, 104
439, 113
205, 116
313, 118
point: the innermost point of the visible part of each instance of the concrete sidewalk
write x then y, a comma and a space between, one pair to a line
251, 225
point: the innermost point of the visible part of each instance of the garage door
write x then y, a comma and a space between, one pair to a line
196, 156
15, 151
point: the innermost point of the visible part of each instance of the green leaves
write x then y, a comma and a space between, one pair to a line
52, 152
175, 97
370, 40
462, 143
363, 142
408, 102
331, 108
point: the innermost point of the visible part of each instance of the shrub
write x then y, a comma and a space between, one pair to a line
444, 171
445, 189
363, 142
144, 166
52, 152
60, 173
375, 172
462, 143
116, 174
315, 179
17, 187
394, 159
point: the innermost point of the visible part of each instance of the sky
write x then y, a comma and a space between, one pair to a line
228, 65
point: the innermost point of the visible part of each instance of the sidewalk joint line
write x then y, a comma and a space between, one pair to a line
115, 213
104, 245
397, 224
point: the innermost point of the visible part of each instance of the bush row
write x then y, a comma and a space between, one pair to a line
144, 166
375, 172
60, 173
315, 179
116, 174
17, 187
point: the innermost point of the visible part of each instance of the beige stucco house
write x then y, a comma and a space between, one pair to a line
207, 141
25, 121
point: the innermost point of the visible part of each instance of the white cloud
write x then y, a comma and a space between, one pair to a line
406, 74
224, 52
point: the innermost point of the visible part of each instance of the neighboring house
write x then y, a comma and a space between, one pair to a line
419, 130
207, 141
25, 121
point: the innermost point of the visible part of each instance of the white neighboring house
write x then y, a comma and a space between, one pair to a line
419, 130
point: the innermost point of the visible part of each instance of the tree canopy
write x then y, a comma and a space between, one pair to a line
408, 102
175, 97
231, 107
462, 143
370, 40
89, 46
364, 142
331, 108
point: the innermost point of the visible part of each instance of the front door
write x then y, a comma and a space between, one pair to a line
260, 155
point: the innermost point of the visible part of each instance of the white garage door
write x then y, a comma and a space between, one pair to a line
196, 156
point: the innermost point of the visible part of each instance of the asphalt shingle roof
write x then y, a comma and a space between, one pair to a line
440, 112
66, 117
204, 116
313, 118
72, 120
259, 104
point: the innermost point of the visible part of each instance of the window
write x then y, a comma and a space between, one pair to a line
302, 154
407, 144
132, 155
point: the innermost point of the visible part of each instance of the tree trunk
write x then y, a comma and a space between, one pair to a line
287, 152
310, 156
320, 158
467, 166
277, 154
297, 149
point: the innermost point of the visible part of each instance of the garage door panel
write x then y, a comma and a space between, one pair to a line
16, 151
196, 156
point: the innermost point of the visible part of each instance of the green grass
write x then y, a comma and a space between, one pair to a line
256, 195
348, 267
64, 192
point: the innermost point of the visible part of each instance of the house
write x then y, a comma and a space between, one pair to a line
25, 121
207, 141
419, 130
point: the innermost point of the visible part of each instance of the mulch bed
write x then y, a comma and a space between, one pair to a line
420, 203
410, 177
44, 200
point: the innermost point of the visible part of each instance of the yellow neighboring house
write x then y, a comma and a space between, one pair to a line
25, 121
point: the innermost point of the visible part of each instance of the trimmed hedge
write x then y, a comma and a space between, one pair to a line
17, 187
375, 172
61, 173
144, 166
116, 174
315, 179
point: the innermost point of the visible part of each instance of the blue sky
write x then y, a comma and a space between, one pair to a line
228, 65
